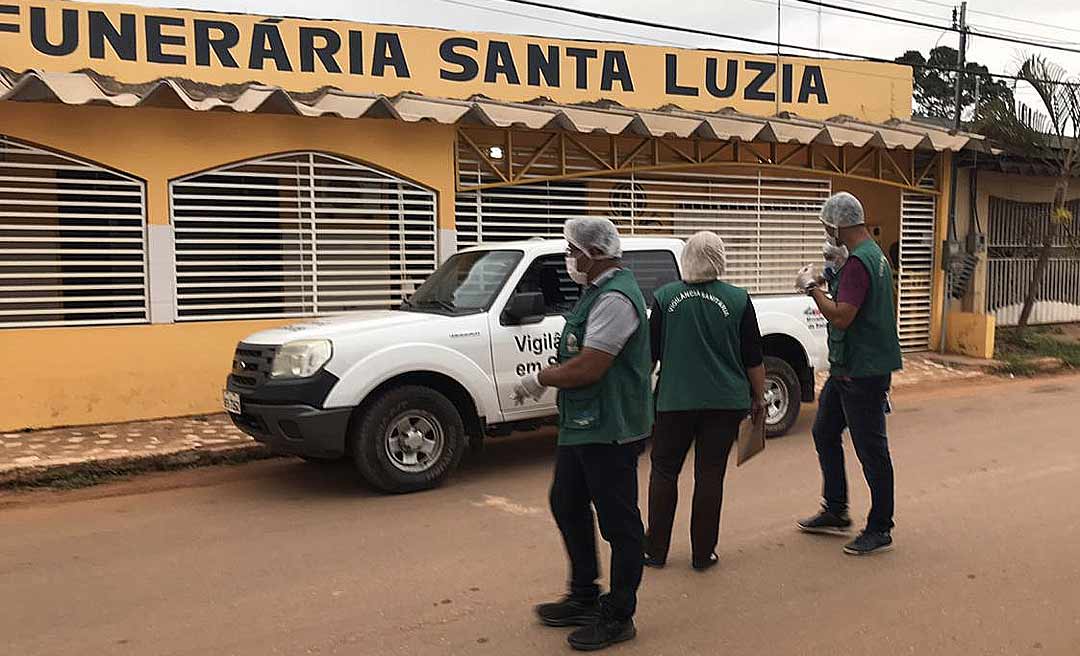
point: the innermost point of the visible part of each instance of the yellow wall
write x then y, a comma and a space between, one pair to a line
66, 376
89, 375
971, 334
870, 91
158, 145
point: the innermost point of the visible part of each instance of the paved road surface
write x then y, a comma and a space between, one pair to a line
285, 558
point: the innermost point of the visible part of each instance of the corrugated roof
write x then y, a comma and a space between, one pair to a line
90, 88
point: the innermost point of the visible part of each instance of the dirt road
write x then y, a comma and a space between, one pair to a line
287, 558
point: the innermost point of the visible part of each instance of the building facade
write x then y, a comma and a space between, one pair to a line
157, 205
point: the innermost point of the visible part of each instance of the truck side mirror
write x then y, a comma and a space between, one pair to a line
524, 308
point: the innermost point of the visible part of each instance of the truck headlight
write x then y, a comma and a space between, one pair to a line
301, 359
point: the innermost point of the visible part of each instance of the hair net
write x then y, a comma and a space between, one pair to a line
704, 258
597, 237
842, 210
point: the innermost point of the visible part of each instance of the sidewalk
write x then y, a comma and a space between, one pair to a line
46, 456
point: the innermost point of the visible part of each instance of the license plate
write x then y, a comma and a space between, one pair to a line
232, 403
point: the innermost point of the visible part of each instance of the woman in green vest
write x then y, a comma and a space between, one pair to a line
605, 414
705, 336
864, 351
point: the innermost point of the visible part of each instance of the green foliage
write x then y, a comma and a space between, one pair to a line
934, 88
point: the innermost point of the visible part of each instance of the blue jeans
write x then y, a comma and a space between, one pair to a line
857, 404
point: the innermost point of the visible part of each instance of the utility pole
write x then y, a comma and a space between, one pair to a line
952, 256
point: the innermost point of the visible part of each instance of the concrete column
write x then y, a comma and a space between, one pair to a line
162, 270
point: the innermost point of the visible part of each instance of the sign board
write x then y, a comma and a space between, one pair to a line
135, 44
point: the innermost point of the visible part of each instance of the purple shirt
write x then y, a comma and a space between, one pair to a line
854, 283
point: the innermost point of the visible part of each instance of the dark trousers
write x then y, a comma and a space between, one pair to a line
857, 404
711, 432
603, 476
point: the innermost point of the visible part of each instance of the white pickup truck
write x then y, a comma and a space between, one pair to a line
404, 392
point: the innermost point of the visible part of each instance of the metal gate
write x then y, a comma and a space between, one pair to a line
1014, 227
915, 275
296, 235
769, 224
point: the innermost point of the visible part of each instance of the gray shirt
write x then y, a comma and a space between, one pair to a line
612, 319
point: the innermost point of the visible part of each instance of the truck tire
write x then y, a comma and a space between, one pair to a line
408, 439
783, 396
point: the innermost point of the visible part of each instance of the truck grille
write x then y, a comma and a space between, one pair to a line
251, 365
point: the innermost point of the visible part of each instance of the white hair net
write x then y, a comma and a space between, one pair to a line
597, 237
704, 258
842, 210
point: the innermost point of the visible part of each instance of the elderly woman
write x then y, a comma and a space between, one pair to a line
705, 336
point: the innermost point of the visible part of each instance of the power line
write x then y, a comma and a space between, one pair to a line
771, 44
788, 5
910, 21
991, 14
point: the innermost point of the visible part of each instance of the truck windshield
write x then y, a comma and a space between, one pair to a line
467, 282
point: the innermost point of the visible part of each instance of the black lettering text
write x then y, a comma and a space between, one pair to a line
356, 52
765, 71
712, 78
671, 78
615, 69
581, 58
547, 67
266, 44
786, 82
449, 54
388, 52
156, 41
69, 32
813, 84
122, 41
331, 43
500, 61
227, 37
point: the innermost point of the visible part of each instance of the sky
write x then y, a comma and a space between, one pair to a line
1047, 21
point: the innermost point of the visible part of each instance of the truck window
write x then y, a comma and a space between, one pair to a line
653, 270
547, 275
465, 282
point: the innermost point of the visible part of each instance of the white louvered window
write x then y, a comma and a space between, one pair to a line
296, 235
916, 275
72, 241
769, 224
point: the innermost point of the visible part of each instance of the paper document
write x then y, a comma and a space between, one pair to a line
751, 438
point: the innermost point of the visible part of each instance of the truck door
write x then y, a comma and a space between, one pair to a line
520, 350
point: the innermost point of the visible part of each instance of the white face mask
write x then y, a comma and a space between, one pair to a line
580, 277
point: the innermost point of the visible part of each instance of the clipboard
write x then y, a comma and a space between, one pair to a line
751, 440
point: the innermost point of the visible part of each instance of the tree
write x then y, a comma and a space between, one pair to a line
1048, 136
935, 85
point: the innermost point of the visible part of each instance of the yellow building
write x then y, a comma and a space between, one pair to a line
157, 205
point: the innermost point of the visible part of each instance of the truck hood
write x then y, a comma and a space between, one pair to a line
345, 325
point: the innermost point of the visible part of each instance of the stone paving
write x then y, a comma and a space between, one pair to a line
22, 453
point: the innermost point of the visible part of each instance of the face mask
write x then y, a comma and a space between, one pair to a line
579, 277
835, 257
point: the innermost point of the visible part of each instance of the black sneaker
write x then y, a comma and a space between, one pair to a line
704, 564
869, 542
569, 612
654, 562
827, 523
602, 633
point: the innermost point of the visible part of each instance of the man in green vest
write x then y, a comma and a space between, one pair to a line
605, 411
864, 351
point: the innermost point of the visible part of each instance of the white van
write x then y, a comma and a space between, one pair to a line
404, 392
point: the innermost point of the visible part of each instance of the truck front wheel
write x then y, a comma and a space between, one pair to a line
783, 397
409, 438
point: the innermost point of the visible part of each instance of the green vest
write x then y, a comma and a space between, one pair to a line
618, 407
871, 345
702, 366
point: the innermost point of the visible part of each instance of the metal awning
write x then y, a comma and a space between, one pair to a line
606, 118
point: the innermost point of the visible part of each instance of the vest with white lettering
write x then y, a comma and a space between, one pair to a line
701, 366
